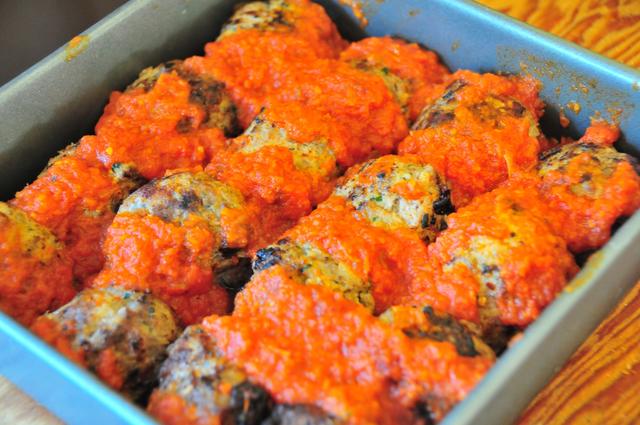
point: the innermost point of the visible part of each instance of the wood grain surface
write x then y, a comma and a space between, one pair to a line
609, 27
601, 382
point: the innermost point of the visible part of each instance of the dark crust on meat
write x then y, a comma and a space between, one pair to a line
441, 110
489, 110
299, 414
249, 405
210, 94
268, 257
307, 264
445, 328
197, 372
423, 414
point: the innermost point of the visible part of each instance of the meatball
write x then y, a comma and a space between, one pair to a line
188, 231
169, 118
300, 414
399, 87
479, 132
35, 272
500, 261
306, 345
394, 191
198, 385
77, 201
302, 19
185, 196
180, 197
209, 94
260, 15
427, 323
591, 185
411, 72
315, 158
311, 265
119, 335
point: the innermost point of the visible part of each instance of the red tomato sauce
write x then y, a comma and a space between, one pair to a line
389, 259
473, 152
420, 67
307, 344
75, 200
174, 262
142, 129
30, 285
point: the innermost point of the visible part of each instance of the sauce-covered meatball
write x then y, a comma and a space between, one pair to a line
168, 118
35, 272
119, 335
591, 185
481, 130
185, 230
394, 191
499, 262
411, 72
199, 386
76, 200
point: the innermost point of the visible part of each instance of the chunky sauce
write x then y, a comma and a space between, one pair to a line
174, 262
407, 60
143, 129
307, 344
477, 145
77, 202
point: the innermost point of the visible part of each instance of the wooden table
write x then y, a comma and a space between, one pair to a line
601, 382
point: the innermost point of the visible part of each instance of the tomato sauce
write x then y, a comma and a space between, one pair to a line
481, 145
420, 67
143, 129
174, 262
77, 202
307, 344
35, 275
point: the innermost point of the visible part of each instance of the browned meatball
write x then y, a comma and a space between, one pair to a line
399, 191
205, 91
197, 385
425, 322
119, 335
591, 186
310, 265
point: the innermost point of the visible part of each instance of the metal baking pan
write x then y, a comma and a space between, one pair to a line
58, 100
